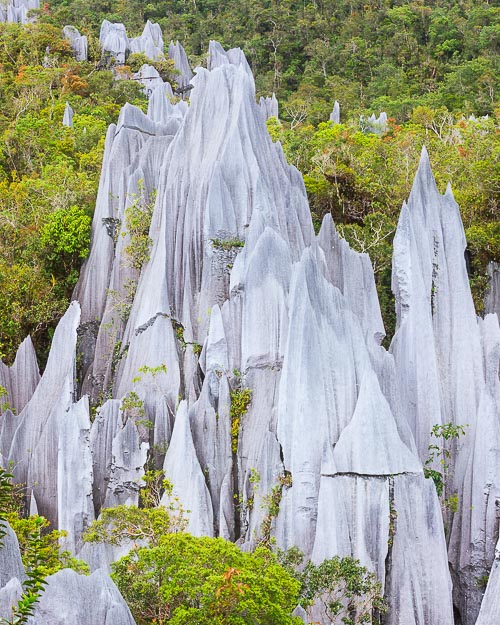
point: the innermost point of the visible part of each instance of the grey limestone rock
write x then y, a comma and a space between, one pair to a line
377, 125
114, 42
77, 41
150, 42
70, 598
149, 77
34, 447
183, 470
492, 303
9, 596
68, 116
335, 114
17, 10
11, 565
446, 365
21, 379
178, 55
237, 293
490, 606
269, 107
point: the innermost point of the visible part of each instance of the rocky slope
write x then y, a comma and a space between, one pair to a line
234, 291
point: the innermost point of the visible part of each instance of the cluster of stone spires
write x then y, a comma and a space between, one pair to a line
238, 292
16, 11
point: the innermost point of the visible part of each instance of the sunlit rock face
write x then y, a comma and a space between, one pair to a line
78, 42
447, 369
242, 354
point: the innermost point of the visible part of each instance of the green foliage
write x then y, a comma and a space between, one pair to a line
449, 432
346, 591
148, 523
227, 244
271, 504
137, 222
205, 581
132, 405
240, 400
51, 557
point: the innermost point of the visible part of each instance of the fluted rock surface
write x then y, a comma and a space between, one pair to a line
447, 369
78, 42
252, 349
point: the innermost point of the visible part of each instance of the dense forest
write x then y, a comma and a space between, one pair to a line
432, 66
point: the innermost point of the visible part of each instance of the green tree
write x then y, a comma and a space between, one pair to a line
205, 581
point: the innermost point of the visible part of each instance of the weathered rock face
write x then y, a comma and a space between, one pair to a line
114, 42
150, 42
178, 55
269, 107
492, 304
335, 114
447, 369
78, 42
68, 116
72, 598
67, 598
377, 125
253, 348
21, 379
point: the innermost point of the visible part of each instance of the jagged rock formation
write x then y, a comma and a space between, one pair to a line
447, 367
68, 116
67, 598
490, 607
335, 114
78, 42
17, 10
377, 125
269, 107
114, 42
150, 42
492, 303
271, 338
178, 55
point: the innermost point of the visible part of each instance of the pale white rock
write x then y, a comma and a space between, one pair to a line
128, 458
114, 42
335, 114
217, 57
9, 597
178, 55
34, 446
16, 11
370, 443
150, 42
492, 303
184, 472
442, 370
68, 116
74, 464
377, 125
490, 606
269, 107
86, 600
149, 77
77, 41
160, 107
352, 274
418, 558
11, 565
21, 378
